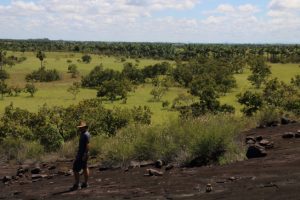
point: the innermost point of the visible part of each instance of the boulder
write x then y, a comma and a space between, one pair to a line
272, 123
52, 167
297, 135
159, 164
256, 151
135, 164
209, 188
250, 140
38, 176
285, 121
266, 143
22, 170
36, 170
169, 167
288, 135
153, 172
6, 179
258, 138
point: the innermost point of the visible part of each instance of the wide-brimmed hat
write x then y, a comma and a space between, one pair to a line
82, 124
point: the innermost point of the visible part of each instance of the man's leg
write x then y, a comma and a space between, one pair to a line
86, 174
76, 177
76, 169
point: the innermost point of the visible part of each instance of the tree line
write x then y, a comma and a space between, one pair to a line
275, 53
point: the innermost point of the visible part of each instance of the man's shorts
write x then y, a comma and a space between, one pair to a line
79, 164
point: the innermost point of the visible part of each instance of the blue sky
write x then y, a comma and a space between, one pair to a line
202, 21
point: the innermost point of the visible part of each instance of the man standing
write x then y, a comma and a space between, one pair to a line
80, 162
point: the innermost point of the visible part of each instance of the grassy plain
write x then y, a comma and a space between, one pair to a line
55, 93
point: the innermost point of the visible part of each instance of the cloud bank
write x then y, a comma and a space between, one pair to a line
152, 20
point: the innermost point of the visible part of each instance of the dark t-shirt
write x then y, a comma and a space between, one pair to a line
83, 141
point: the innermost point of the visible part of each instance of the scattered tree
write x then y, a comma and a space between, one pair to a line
3, 89
72, 69
252, 102
41, 56
260, 71
3, 75
86, 58
74, 89
31, 89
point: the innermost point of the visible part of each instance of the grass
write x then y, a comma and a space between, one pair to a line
54, 93
175, 141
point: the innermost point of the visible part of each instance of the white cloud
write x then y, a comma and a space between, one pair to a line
284, 4
150, 20
248, 8
225, 8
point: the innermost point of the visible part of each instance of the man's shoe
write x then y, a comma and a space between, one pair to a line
75, 187
84, 185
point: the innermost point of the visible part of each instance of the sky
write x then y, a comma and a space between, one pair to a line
186, 21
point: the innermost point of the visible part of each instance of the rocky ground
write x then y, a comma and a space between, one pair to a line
276, 175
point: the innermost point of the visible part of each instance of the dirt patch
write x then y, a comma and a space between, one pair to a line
276, 176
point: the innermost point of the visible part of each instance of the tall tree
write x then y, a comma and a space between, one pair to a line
260, 71
41, 56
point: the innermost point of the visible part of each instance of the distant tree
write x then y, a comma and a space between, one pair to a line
165, 104
74, 89
31, 89
252, 102
41, 56
158, 90
2, 58
98, 76
260, 71
3, 89
72, 69
112, 89
132, 73
158, 93
183, 100
17, 90
277, 93
296, 81
86, 58
3, 75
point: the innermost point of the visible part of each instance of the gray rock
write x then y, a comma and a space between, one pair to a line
250, 140
266, 143
36, 170
288, 135
6, 179
256, 151
169, 167
209, 188
153, 172
285, 120
52, 167
258, 138
38, 176
159, 164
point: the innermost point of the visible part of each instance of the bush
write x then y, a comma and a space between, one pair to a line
43, 75
200, 139
86, 59
20, 150
49, 137
268, 116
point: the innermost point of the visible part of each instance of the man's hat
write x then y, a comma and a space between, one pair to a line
82, 124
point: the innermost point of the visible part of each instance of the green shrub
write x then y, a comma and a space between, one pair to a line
20, 150
268, 115
178, 141
43, 75
68, 149
49, 137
